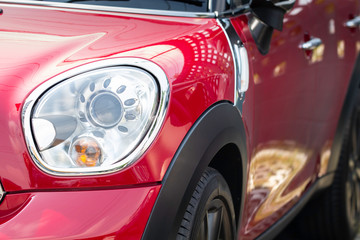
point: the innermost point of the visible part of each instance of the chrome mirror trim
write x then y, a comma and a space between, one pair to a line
153, 131
2, 193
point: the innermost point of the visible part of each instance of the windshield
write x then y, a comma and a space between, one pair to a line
174, 5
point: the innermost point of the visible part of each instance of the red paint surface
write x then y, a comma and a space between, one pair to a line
37, 44
292, 107
291, 96
101, 214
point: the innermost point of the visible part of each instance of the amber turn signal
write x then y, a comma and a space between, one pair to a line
86, 152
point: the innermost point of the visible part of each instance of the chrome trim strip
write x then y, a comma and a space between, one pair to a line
98, 8
2, 193
241, 62
244, 64
210, 5
154, 129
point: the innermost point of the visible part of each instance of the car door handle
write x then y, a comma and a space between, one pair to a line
312, 44
353, 23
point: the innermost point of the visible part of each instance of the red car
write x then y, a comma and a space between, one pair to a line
179, 119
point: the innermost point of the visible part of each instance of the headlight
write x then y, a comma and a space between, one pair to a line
96, 118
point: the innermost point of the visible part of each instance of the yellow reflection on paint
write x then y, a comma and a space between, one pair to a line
357, 47
330, 8
318, 54
279, 42
279, 69
296, 31
265, 61
324, 158
341, 49
273, 168
290, 24
257, 79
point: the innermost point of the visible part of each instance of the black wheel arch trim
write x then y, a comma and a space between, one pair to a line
220, 125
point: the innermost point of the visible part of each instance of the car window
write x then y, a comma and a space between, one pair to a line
238, 3
174, 5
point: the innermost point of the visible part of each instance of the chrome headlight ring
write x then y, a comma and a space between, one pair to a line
116, 93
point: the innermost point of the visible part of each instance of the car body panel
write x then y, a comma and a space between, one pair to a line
333, 85
111, 213
183, 174
51, 41
287, 101
280, 161
291, 96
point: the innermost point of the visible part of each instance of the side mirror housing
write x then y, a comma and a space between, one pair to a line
267, 16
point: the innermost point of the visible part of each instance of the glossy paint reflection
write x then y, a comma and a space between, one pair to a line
278, 109
193, 53
341, 49
317, 55
111, 214
274, 166
292, 96
325, 158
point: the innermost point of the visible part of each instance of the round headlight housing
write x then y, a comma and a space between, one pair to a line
97, 118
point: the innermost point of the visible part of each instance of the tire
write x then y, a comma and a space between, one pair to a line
345, 191
210, 212
335, 214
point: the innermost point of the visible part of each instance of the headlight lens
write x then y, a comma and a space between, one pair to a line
97, 121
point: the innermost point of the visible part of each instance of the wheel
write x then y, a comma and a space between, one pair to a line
351, 177
210, 212
342, 200
335, 214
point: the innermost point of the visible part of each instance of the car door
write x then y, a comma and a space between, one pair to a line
340, 47
278, 110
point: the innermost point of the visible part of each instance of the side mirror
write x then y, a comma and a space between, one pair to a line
267, 16
285, 4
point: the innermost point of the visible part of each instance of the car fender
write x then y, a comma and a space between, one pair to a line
220, 125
